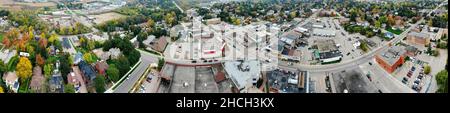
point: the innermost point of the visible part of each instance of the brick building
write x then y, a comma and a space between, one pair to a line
391, 58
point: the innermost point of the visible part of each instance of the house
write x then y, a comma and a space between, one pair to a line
391, 58
87, 71
37, 80
114, 53
56, 83
160, 44
389, 35
12, 81
77, 58
101, 67
418, 38
149, 41
76, 79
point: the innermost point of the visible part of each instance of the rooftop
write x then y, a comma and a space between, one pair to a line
419, 35
243, 73
392, 54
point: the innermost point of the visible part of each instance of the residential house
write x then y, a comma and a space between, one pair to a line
37, 80
101, 67
114, 53
87, 71
160, 44
56, 83
76, 79
12, 81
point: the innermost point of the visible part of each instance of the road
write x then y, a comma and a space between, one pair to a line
133, 78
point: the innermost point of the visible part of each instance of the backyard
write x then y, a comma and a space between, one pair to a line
396, 31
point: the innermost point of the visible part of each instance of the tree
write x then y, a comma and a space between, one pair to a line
150, 23
2, 67
53, 38
122, 64
89, 58
377, 24
442, 81
39, 60
69, 88
65, 66
134, 56
170, 18
1, 89
427, 69
48, 70
24, 68
99, 84
113, 73
43, 41
160, 63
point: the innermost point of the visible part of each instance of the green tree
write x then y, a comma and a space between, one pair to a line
2, 67
65, 66
69, 88
113, 73
122, 64
160, 63
377, 24
442, 81
100, 84
48, 70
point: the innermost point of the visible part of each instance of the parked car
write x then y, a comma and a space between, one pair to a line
405, 80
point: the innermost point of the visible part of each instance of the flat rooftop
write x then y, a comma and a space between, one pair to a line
243, 72
392, 54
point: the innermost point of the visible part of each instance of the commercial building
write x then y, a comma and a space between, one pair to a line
244, 74
391, 58
324, 32
327, 51
418, 38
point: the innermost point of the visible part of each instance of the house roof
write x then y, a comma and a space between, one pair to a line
37, 79
10, 76
101, 66
419, 35
160, 44
87, 70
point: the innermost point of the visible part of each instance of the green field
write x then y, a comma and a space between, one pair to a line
397, 32
1, 37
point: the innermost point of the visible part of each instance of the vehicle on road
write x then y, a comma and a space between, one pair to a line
405, 80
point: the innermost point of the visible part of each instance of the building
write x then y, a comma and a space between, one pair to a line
56, 83
418, 38
101, 67
389, 35
114, 53
213, 21
244, 74
87, 71
324, 32
411, 51
37, 80
327, 51
287, 81
12, 81
76, 79
391, 58
160, 44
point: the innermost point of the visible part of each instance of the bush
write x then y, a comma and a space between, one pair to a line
427, 69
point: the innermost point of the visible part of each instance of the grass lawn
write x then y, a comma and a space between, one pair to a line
397, 31
1, 37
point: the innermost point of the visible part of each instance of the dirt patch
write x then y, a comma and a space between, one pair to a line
106, 17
